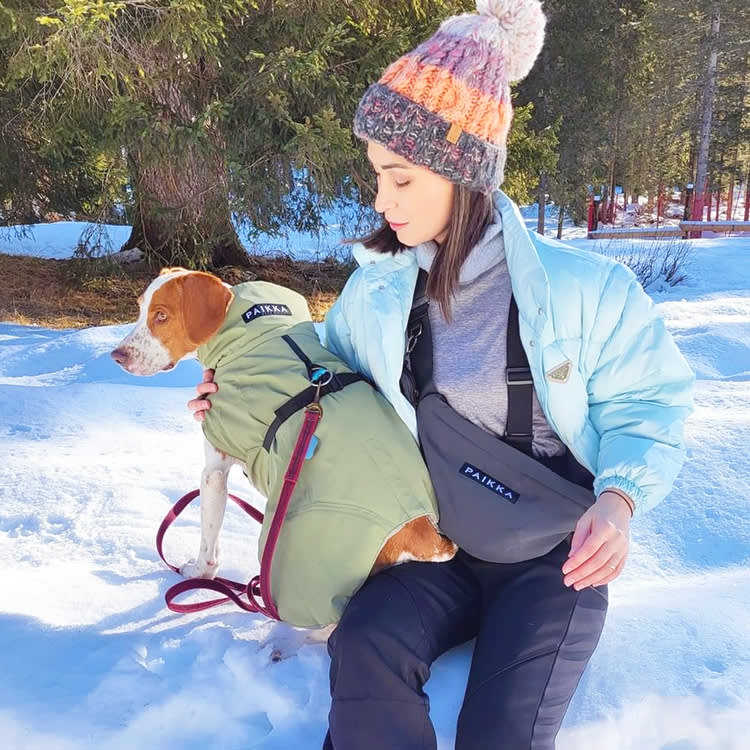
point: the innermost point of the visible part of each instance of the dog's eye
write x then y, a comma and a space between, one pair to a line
160, 316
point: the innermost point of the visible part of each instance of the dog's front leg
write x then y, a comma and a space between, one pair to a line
213, 505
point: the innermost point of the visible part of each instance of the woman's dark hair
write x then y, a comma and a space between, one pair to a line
470, 215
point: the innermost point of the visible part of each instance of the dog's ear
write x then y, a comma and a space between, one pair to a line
171, 269
205, 299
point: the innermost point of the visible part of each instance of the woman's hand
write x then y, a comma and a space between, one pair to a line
199, 406
600, 543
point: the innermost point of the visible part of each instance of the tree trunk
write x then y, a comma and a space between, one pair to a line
182, 210
541, 202
612, 172
177, 167
560, 217
707, 104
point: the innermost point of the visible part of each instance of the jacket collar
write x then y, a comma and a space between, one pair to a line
488, 252
528, 277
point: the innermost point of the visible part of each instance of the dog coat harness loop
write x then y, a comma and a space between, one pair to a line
334, 382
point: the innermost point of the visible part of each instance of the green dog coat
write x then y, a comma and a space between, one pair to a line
364, 481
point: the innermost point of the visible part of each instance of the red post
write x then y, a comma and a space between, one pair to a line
659, 201
698, 203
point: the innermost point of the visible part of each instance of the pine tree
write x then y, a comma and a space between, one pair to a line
669, 94
237, 107
577, 83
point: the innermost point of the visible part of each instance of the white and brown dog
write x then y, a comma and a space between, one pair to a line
179, 311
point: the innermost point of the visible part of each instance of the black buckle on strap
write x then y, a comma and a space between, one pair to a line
518, 376
414, 335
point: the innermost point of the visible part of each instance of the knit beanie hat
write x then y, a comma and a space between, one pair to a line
446, 105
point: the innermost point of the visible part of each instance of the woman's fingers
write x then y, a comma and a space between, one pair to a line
600, 557
200, 405
206, 387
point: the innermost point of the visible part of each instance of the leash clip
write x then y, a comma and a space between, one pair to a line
320, 376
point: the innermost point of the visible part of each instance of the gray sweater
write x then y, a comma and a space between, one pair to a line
470, 353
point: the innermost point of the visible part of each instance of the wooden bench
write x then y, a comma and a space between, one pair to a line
715, 226
641, 233
684, 228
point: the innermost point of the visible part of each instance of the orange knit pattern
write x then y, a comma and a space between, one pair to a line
437, 90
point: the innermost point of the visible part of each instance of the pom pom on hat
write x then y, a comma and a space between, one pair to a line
522, 22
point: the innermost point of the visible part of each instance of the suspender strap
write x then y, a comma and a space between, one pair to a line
518, 425
418, 360
337, 382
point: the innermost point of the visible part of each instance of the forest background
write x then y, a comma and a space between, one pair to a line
195, 122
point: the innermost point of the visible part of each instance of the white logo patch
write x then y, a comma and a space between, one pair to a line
259, 310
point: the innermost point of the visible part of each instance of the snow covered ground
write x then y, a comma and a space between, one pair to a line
61, 238
92, 659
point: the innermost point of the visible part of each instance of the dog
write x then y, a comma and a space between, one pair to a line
186, 314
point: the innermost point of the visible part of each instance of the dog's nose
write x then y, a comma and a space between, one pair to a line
120, 356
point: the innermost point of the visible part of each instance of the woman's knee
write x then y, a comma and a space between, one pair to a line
377, 648
403, 618
380, 616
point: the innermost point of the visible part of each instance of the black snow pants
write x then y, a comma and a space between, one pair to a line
534, 637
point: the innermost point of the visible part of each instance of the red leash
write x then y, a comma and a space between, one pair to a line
258, 589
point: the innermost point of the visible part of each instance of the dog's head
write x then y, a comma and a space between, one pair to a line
179, 311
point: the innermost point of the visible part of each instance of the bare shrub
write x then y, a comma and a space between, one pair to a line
664, 260
93, 257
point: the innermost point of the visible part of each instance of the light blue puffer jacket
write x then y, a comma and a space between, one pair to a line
622, 409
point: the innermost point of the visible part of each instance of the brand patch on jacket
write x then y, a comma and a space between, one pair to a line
561, 373
265, 308
492, 484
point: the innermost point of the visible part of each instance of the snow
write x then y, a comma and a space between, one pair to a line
92, 659
60, 239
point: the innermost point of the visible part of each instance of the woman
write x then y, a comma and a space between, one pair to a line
609, 388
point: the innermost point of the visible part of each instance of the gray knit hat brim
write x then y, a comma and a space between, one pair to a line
421, 137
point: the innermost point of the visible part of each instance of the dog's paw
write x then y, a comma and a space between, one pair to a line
286, 641
199, 569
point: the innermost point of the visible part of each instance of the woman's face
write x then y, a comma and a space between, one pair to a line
416, 202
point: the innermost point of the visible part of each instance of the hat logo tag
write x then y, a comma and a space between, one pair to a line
561, 373
454, 133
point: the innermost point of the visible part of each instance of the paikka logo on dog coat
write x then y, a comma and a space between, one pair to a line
264, 308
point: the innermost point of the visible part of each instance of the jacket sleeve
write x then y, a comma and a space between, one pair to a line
640, 393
